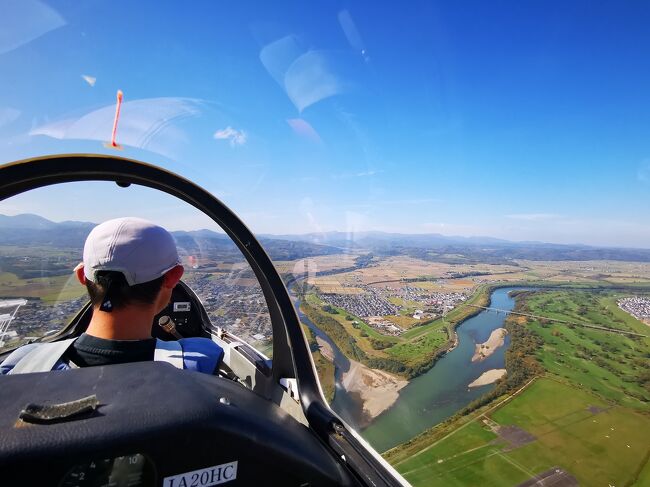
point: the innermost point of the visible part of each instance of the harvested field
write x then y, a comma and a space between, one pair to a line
405, 322
390, 271
595, 409
514, 436
335, 287
321, 263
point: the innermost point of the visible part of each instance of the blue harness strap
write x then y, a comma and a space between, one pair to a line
201, 354
42, 358
197, 354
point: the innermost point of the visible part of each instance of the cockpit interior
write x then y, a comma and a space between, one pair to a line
259, 420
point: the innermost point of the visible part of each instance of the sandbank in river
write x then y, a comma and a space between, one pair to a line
488, 377
487, 348
325, 349
378, 389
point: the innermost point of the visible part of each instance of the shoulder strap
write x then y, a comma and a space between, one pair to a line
170, 352
42, 358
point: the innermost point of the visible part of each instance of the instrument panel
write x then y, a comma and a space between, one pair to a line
134, 470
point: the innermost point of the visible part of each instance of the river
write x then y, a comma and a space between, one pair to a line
435, 395
347, 405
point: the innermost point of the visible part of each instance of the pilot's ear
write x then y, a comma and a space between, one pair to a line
172, 276
79, 272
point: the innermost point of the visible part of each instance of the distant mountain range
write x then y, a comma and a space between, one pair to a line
28, 229
456, 249
34, 230
374, 239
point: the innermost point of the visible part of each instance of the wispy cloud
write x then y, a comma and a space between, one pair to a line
371, 172
236, 137
361, 174
91, 80
307, 179
410, 201
534, 217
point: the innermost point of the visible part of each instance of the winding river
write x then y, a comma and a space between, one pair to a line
346, 405
435, 395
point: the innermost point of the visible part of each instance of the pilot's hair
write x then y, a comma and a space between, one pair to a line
119, 292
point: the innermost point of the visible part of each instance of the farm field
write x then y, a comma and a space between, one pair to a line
48, 289
394, 269
446, 277
536, 432
316, 264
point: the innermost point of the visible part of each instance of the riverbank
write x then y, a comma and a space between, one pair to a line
378, 389
481, 298
488, 377
484, 350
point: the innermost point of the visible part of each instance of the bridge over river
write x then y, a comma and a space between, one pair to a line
556, 320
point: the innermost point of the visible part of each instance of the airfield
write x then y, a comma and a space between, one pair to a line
550, 425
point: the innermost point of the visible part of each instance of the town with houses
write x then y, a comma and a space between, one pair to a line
32, 319
374, 303
638, 307
239, 309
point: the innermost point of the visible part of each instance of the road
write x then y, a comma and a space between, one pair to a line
566, 322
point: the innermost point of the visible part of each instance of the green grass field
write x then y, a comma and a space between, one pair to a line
597, 446
608, 364
49, 289
324, 367
589, 415
410, 352
642, 479
325, 370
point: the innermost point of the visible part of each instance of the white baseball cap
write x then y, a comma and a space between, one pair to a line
137, 248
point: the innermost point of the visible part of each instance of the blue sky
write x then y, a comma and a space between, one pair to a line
520, 120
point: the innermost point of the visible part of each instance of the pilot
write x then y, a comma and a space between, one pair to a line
130, 267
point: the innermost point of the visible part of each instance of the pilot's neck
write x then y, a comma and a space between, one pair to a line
131, 323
